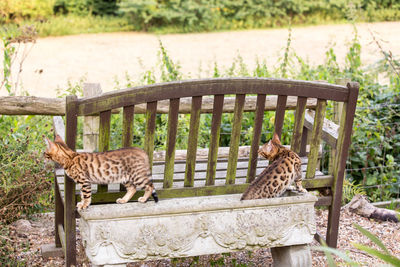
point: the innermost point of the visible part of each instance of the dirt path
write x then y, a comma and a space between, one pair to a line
105, 58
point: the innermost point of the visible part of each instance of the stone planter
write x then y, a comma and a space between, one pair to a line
116, 234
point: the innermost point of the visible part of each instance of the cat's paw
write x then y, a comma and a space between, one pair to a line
82, 206
291, 188
302, 190
121, 201
142, 199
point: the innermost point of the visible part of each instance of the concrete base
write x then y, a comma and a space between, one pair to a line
110, 265
119, 233
51, 251
292, 256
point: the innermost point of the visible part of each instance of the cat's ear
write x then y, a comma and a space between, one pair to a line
48, 142
275, 139
58, 139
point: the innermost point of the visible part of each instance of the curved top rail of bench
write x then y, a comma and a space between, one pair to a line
189, 88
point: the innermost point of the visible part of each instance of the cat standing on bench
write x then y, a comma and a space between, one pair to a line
128, 166
284, 168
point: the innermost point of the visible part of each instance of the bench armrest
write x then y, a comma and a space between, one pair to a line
330, 130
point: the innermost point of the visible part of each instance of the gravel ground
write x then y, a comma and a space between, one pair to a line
39, 230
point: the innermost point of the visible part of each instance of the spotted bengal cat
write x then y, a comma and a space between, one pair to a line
128, 166
284, 168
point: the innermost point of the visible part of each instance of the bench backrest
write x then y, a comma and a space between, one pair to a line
237, 95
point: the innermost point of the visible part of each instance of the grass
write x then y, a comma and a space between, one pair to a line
74, 24
71, 24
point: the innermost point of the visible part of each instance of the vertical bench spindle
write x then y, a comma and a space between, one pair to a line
258, 120
171, 141
104, 140
235, 138
151, 112
214, 140
315, 141
127, 130
127, 126
298, 124
280, 114
192, 142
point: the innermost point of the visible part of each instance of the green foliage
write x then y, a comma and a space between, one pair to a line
202, 15
19, 10
383, 253
25, 184
8, 52
350, 189
90, 16
86, 7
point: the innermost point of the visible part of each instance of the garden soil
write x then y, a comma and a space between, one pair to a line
110, 57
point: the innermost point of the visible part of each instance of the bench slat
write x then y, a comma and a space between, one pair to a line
104, 138
258, 120
127, 126
171, 140
127, 130
192, 140
150, 130
214, 139
298, 124
315, 141
280, 114
235, 138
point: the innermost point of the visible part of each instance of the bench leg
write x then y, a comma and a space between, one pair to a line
59, 211
296, 256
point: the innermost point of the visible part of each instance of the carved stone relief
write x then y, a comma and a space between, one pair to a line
135, 239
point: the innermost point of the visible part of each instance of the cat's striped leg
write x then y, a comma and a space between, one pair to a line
130, 191
86, 196
148, 191
299, 186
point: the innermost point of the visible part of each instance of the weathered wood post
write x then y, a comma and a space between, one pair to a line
91, 123
337, 113
69, 184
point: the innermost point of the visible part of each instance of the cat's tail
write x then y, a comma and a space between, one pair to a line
154, 195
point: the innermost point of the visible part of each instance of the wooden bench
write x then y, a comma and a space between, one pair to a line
206, 172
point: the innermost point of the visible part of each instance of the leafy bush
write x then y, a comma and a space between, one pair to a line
25, 184
202, 15
86, 7
19, 10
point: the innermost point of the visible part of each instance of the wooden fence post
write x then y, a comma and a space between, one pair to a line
91, 123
